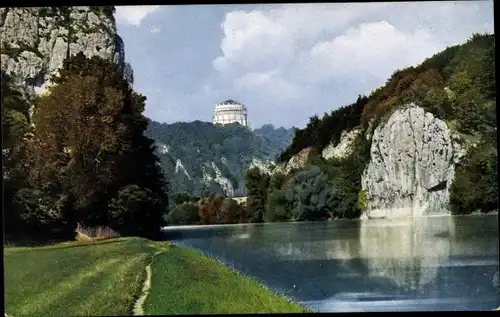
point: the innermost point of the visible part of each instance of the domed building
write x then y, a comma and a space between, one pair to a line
230, 111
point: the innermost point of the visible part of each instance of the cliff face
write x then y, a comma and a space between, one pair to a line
35, 41
297, 161
344, 147
411, 165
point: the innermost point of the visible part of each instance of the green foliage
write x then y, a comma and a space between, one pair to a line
475, 185
233, 212
133, 209
37, 209
14, 113
230, 147
89, 148
310, 194
256, 183
457, 85
362, 203
15, 119
182, 197
183, 214
277, 207
216, 209
321, 132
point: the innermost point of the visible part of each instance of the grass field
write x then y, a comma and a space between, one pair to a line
76, 278
186, 282
106, 277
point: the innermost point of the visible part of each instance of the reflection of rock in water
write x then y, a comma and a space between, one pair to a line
317, 250
408, 251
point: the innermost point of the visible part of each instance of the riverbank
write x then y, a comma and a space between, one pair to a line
185, 281
107, 277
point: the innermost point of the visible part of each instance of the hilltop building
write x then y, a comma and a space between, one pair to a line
230, 111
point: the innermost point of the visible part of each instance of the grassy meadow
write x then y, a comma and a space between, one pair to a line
99, 278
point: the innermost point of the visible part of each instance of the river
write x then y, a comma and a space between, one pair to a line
419, 264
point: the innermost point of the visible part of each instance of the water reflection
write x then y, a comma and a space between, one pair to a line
431, 263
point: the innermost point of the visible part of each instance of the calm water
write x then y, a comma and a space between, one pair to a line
431, 263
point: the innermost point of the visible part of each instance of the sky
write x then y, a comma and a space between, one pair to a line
284, 62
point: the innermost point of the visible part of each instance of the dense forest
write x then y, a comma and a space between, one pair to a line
195, 154
82, 157
457, 85
87, 154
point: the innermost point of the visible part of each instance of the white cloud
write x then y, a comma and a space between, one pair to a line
134, 14
374, 49
290, 49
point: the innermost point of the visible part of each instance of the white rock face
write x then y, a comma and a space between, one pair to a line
297, 161
224, 182
179, 168
345, 146
264, 166
162, 148
411, 166
35, 41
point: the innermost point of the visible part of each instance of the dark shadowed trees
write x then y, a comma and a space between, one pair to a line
89, 156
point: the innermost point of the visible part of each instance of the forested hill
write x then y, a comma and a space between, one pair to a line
466, 72
200, 157
452, 92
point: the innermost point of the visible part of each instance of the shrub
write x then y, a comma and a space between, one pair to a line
183, 214
134, 209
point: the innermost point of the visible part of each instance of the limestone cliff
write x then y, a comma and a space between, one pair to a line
297, 161
411, 165
344, 147
35, 41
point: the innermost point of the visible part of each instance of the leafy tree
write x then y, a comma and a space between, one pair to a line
310, 194
89, 148
436, 101
277, 207
362, 203
184, 214
475, 185
256, 183
233, 212
179, 198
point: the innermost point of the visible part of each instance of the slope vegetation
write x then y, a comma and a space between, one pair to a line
200, 157
456, 85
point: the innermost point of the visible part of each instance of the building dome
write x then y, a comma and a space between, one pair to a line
230, 111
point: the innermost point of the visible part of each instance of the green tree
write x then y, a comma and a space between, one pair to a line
256, 183
277, 207
475, 184
15, 119
233, 212
89, 149
184, 214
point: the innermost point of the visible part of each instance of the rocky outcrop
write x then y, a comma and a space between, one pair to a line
344, 147
411, 166
264, 166
35, 41
297, 161
212, 173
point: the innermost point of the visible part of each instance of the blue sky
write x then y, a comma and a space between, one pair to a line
285, 62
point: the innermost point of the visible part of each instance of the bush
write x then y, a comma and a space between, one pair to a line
184, 214
362, 203
475, 184
277, 207
310, 194
134, 210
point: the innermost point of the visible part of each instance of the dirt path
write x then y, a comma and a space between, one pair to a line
138, 306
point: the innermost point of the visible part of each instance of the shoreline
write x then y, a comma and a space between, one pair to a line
474, 214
